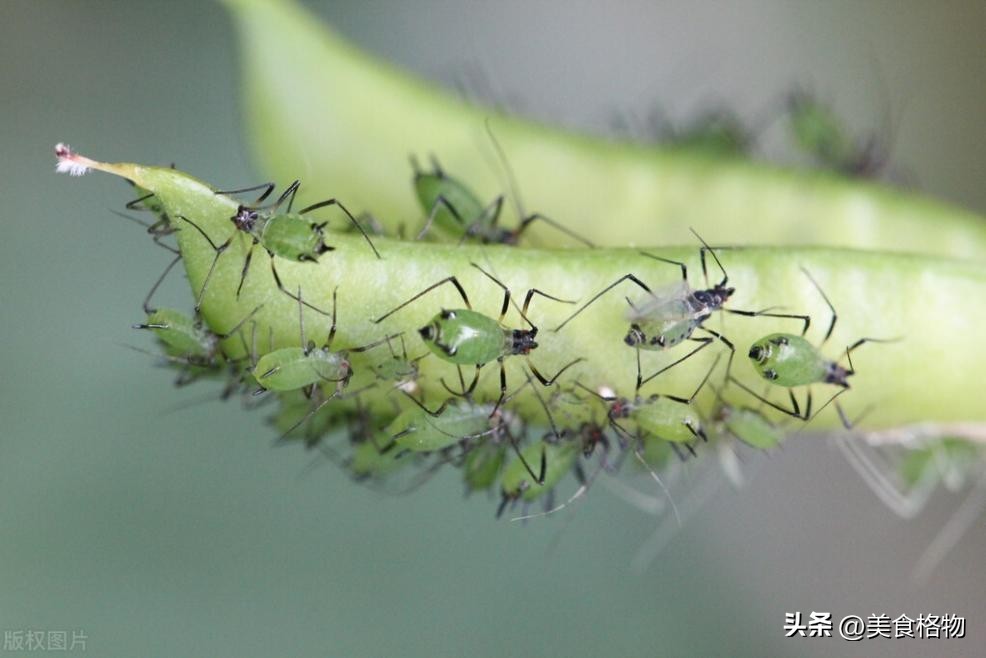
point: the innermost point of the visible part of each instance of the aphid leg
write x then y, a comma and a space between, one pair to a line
707, 249
546, 381
147, 300
527, 303
551, 508
451, 279
136, 203
835, 317
266, 187
334, 202
684, 268
246, 267
794, 412
239, 325
490, 213
860, 343
530, 219
220, 249
728, 343
280, 286
287, 195
705, 342
766, 314
440, 202
602, 292
434, 414
465, 392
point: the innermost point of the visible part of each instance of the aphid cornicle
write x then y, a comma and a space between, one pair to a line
791, 361
293, 236
466, 337
458, 214
666, 319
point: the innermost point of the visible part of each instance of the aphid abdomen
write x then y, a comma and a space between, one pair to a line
666, 419
179, 334
660, 334
465, 337
432, 186
788, 360
290, 368
293, 237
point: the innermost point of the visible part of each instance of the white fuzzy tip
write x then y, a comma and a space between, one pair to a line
67, 162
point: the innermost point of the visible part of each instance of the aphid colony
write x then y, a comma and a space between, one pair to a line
374, 391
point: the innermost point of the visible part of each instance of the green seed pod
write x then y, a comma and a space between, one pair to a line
579, 179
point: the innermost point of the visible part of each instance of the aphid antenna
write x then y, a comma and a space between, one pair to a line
337, 394
625, 277
706, 248
349, 215
266, 187
828, 302
147, 300
660, 483
450, 279
514, 189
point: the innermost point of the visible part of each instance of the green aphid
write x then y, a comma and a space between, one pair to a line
747, 425
715, 132
466, 337
419, 429
669, 317
483, 464
293, 236
517, 483
458, 214
790, 361
662, 417
293, 368
399, 370
821, 135
308, 368
186, 340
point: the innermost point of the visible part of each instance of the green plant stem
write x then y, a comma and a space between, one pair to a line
932, 304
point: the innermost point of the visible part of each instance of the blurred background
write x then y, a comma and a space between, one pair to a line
164, 532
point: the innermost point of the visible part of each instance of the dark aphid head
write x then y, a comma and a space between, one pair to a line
245, 218
838, 375
522, 341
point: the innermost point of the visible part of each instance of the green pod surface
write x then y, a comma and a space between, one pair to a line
354, 119
935, 306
